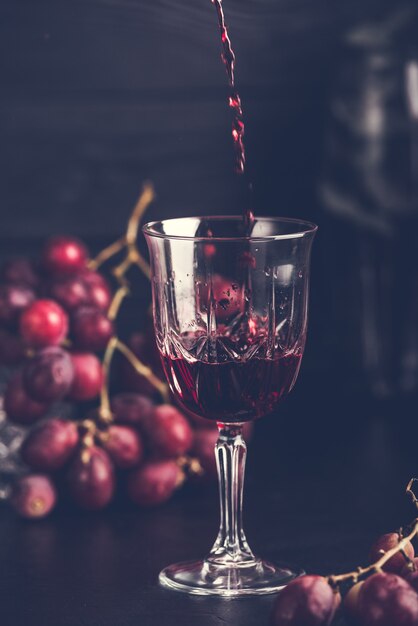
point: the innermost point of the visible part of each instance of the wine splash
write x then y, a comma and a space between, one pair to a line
234, 101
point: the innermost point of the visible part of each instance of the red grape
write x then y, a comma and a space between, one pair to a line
44, 323
123, 445
91, 329
168, 432
86, 289
48, 375
20, 271
412, 579
19, 406
33, 496
12, 348
387, 600
71, 292
204, 450
351, 604
386, 543
131, 408
306, 601
154, 482
410, 573
91, 478
88, 376
98, 290
64, 255
13, 300
50, 445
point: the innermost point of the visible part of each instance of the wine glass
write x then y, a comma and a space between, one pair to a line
230, 314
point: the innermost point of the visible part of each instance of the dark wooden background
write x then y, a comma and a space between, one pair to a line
95, 97
98, 95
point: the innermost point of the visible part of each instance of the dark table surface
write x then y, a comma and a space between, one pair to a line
325, 477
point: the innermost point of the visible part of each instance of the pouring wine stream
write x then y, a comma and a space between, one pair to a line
234, 101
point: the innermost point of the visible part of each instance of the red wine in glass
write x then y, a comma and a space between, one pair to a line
234, 391
230, 362
230, 354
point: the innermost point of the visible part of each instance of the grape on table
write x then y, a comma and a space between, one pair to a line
124, 446
91, 478
386, 599
49, 446
33, 496
154, 482
307, 601
167, 431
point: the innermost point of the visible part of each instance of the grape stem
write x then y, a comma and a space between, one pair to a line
360, 572
190, 465
128, 241
133, 257
144, 370
107, 253
410, 491
116, 303
88, 431
105, 411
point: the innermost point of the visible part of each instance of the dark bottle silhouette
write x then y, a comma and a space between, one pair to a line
370, 182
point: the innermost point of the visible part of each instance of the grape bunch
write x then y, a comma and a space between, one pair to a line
388, 596
46, 330
144, 451
54, 328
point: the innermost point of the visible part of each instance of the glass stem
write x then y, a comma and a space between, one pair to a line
231, 451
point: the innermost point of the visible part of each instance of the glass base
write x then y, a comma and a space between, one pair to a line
232, 581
